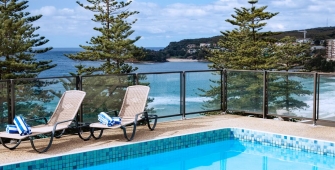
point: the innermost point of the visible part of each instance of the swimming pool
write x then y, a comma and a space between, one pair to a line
227, 155
139, 150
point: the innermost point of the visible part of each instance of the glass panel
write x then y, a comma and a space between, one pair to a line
326, 97
3, 106
103, 93
39, 97
290, 94
164, 94
203, 91
245, 91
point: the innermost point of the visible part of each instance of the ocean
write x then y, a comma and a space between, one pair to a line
66, 65
166, 87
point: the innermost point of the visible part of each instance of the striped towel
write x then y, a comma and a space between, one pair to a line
22, 126
11, 129
107, 120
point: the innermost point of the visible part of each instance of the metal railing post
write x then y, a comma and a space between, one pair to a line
265, 95
224, 90
135, 79
12, 100
315, 98
79, 86
9, 103
182, 96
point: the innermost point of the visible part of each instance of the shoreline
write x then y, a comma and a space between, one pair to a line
180, 60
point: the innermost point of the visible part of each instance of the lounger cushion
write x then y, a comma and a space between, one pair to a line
105, 119
12, 129
22, 126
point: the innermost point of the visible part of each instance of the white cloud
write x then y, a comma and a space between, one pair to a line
181, 20
45, 11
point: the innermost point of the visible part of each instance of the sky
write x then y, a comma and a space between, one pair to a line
160, 22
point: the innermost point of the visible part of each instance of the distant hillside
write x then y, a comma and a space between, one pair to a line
321, 33
180, 50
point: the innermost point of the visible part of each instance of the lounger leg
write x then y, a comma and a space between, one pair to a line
92, 133
60, 135
80, 132
125, 132
148, 118
8, 147
45, 149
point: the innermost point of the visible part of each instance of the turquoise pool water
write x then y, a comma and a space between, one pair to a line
228, 148
227, 155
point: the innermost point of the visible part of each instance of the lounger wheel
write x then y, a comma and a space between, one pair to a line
125, 132
96, 137
10, 147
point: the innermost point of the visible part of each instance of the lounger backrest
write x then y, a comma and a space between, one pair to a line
67, 107
134, 101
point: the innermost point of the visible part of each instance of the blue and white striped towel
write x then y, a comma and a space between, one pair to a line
22, 126
12, 129
107, 120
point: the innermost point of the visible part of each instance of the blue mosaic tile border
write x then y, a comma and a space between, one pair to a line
107, 155
286, 141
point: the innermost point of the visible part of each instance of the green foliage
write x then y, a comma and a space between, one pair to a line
18, 39
320, 64
155, 56
18, 46
246, 48
290, 54
113, 46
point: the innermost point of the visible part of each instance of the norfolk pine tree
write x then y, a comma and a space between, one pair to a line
18, 37
17, 42
246, 48
289, 54
113, 46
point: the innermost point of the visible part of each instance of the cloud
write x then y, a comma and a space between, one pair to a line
45, 11
180, 20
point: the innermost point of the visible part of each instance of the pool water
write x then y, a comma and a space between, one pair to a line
227, 155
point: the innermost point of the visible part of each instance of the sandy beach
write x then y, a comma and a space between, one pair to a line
180, 60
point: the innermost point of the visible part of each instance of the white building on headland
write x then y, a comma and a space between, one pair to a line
330, 49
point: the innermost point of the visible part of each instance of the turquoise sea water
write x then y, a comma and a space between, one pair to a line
66, 65
165, 88
227, 155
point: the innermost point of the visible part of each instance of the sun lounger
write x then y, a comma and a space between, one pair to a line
64, 114
132, 111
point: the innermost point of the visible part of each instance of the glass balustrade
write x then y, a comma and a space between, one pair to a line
177, 95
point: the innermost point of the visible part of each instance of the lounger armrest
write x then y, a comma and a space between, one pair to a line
136, 116
55, 126
39, 118
146, 115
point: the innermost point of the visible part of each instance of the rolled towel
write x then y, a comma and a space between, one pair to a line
22, 126
12, 129
105, 119
117, 120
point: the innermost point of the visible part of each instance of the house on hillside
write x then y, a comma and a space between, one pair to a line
191, 51
304, 40
330, 49
205, 45
191, 46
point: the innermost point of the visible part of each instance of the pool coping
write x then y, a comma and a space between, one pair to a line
82, 159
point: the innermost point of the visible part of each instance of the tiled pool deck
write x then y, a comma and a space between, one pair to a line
239, 128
